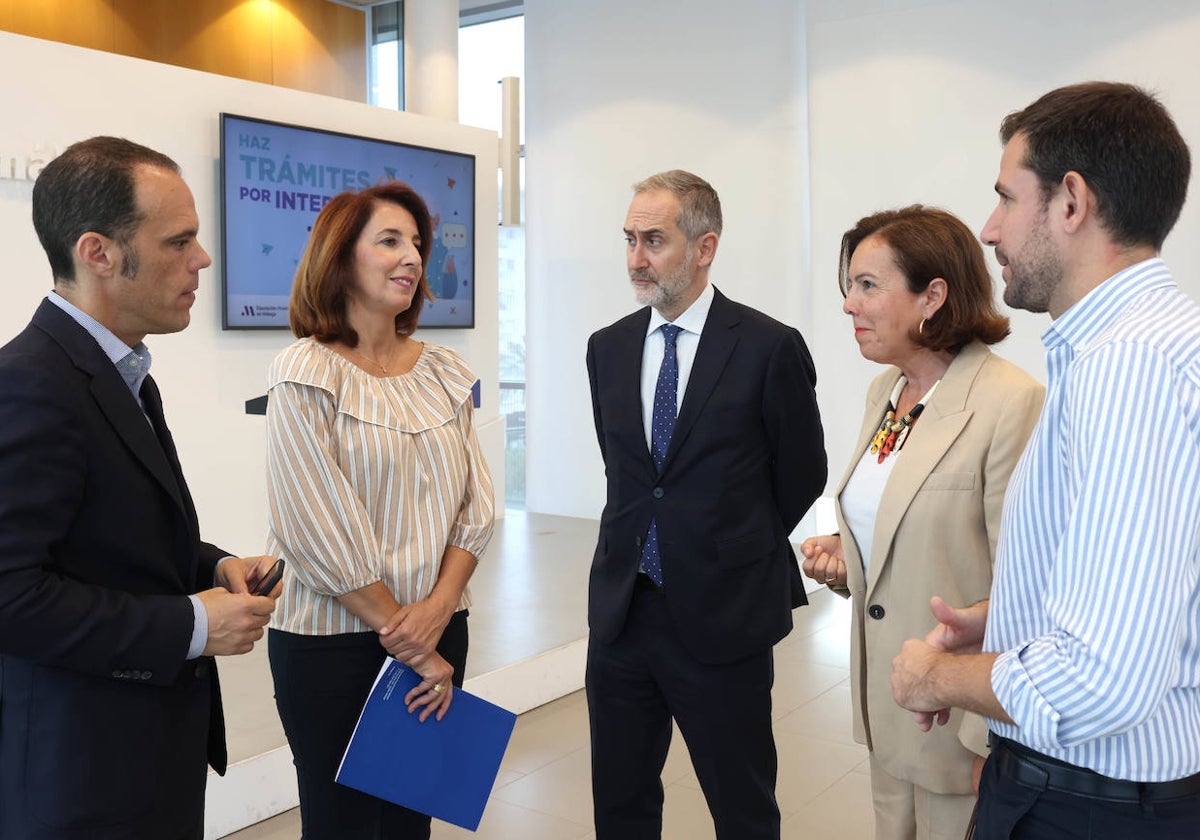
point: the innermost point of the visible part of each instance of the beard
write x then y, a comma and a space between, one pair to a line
666, 288
131, 261
1034, 274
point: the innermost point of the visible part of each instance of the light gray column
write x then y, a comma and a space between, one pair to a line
431, 58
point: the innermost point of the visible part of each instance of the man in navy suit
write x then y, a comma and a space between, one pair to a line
111, 607
707, 419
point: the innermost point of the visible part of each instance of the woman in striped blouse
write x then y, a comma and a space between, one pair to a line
379, 497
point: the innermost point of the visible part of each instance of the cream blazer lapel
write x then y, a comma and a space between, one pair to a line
941, 423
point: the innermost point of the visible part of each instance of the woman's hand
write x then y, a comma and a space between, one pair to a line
823, 559
415, 629
435, 689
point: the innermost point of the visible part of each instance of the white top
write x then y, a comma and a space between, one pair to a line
861, 498
692, 324
369, 478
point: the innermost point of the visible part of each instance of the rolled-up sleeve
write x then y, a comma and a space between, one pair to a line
1119, 599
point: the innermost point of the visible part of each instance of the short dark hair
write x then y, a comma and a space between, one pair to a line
926, 243
326, 271
90, 187
1122, 141
699, 204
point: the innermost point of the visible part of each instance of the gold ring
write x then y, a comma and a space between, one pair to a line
437, 688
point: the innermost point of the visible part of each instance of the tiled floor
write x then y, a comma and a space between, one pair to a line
543, 790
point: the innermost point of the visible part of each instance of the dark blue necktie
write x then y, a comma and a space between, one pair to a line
662, 425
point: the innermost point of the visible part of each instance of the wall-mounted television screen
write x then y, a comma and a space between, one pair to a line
275, 178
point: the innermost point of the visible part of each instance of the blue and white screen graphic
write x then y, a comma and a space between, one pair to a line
275, 178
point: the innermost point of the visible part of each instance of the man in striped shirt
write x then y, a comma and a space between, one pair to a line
1089, 667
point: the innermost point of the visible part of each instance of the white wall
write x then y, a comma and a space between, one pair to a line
617, 91
57, 94
906, 100
880, 102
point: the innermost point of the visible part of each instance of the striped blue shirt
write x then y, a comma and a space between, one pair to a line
1095, 606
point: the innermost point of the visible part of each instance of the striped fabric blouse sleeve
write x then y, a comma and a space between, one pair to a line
472, 528
1118, 595
329, 543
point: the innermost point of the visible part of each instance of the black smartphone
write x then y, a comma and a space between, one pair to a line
271, 578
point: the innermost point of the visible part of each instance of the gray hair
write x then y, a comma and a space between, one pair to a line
699, 205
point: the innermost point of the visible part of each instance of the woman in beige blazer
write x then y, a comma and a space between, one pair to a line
919, 505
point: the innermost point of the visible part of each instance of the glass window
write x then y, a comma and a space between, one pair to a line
385, 24
487, 52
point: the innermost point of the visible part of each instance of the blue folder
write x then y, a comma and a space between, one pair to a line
444, 768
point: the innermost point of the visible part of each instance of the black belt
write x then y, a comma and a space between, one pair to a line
1033, 769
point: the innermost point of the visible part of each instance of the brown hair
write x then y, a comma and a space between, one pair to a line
1125, 145
326, 271
92, 186
926, 243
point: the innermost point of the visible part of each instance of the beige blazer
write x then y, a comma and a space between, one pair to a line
935, 534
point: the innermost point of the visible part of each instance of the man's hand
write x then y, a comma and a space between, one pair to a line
823, 559
242, 574
958, 631
947, 668
235, 620
912, 685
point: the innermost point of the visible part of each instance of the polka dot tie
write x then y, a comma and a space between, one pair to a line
662, 424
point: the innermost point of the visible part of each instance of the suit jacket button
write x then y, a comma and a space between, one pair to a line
658, 493
145, 675
117, 675
637, 541
876, 612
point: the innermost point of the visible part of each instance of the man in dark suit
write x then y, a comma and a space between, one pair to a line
109, 702
707, 419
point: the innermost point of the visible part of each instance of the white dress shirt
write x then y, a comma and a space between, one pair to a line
691, 323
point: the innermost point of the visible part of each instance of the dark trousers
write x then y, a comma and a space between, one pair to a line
194, 833
1011, 810
635, 686
321, 684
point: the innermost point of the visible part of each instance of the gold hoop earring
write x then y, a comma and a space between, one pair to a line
921, 327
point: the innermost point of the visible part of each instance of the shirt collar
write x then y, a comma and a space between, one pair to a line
693, 318
132, 363
1100, 307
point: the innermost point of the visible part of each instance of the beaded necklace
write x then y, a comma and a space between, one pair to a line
892, 432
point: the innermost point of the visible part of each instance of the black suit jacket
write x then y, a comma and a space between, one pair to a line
105, 728
746, 460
